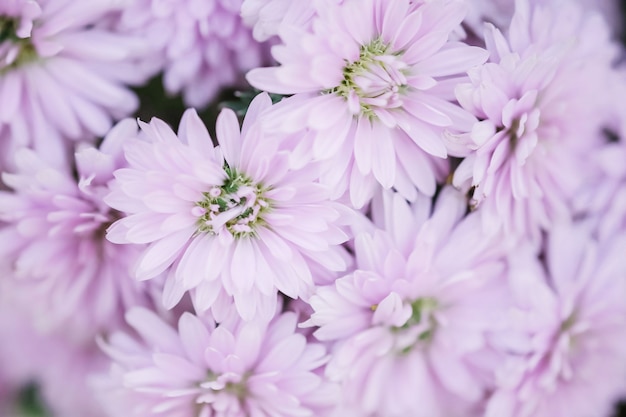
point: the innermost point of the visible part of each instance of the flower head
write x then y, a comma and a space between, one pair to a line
566, 341
535, 133
62, 75
201, 47
234, 369
53, 246
415, 314
235, 220
374, 79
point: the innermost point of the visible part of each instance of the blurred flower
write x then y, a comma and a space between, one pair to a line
566, 343
234, 369
500, 12
269, 17
411, 322
202, 46
62, 75
536, 132
61, 267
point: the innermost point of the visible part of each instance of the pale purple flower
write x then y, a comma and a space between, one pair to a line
536, 131
566, 342
202, 46
268, 18
235, 220
500, 12
63, 75
374, 80
245, 369
53, 247
411, 322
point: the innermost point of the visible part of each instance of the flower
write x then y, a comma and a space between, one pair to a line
566, 341
411, 322
374, 79
535, 133
236, 220
500, 12
66, 274
62, 76
234, 369
202, 46
268, 18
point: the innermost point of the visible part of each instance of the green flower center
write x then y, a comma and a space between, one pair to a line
422, 318
237, 206
377, 80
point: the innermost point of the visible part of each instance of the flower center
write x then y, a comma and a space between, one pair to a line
236, 206
376, 80
14, 51
228, 391
420, 328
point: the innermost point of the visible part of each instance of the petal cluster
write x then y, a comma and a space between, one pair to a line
373, 80
234, 369
53, 247
535, 133
416, 313
201, 47
235, 220
62, 75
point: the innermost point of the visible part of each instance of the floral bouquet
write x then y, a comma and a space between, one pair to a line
370, 208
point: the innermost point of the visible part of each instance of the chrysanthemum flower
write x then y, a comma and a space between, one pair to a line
202, 46
374, 78
569, 354
53, 247
536, 131
233, 370
62, 75
410, 323
236, 219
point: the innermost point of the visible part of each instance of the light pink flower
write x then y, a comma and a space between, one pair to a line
566, 343
201, 46
63, 75
52, 247
536, 130
374, 80
411, 322
235, 220
235, 369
